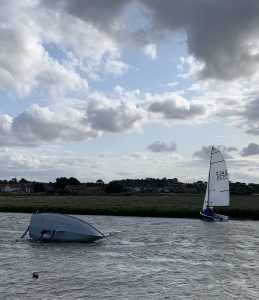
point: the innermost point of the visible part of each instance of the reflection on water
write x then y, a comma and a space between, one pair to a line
145, 258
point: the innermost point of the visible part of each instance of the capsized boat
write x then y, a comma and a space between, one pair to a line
55, 227
217, 192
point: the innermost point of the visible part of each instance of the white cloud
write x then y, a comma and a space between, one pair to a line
116, 67
28, 63
174, 107
113, 116
189, 68
162, 147
38, 125
150, 50
170, 84
135, 155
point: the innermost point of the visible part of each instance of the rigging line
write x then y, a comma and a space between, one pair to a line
25, 232
208, 184
217, 161
215, 152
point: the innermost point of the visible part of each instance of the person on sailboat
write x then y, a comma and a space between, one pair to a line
209, 211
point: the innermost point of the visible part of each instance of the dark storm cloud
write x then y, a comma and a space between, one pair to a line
222, 35
251, 149
101, 13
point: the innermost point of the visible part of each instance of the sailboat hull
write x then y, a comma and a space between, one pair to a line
205, 217
221, 218
52, 227
214, 218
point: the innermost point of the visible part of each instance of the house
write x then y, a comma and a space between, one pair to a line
2, 187
21, 188
13, 188
84, 189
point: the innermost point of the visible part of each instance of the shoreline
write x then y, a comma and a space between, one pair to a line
242, 207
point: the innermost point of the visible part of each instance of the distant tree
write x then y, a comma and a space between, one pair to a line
38, 187
90, 184
100, 182
114, 187
23, 181
13, 180
61, 182
73, 181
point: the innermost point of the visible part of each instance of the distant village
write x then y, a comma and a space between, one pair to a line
64, 186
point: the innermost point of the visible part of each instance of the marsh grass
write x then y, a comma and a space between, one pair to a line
157, 205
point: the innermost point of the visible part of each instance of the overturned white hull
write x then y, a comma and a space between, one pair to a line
53, 227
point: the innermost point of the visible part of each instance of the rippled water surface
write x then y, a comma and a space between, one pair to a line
145, 258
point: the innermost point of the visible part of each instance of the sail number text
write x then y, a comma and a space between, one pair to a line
222, 175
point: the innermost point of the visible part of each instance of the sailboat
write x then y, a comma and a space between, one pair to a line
54, 227
217, 192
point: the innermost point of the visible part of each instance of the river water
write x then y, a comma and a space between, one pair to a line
144, 258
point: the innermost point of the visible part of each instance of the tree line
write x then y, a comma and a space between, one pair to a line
147, 185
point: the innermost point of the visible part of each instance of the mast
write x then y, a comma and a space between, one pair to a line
209, 178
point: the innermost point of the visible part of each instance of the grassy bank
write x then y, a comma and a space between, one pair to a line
164, 205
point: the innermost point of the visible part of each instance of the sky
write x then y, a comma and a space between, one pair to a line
98, 89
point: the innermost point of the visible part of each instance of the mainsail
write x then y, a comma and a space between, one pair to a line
217, 192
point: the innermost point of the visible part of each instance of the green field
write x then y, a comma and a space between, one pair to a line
157, 205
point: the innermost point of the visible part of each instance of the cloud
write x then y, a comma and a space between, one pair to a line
230, 149
162, 147
55, 59
135, 155
116, 67
38, 125
112, 115
205, 152
79, 120
241, 109
169, 84
56, 80
21, 53
251, 117
251, 149
71, 34
223, 36
19, 160
150, 50
173, 106
83, 37
102, 14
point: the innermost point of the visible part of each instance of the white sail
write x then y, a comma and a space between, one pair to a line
217, 192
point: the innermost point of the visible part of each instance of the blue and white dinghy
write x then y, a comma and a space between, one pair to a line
54, 227
217, 192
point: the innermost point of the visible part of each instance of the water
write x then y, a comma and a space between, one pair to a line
145, 258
